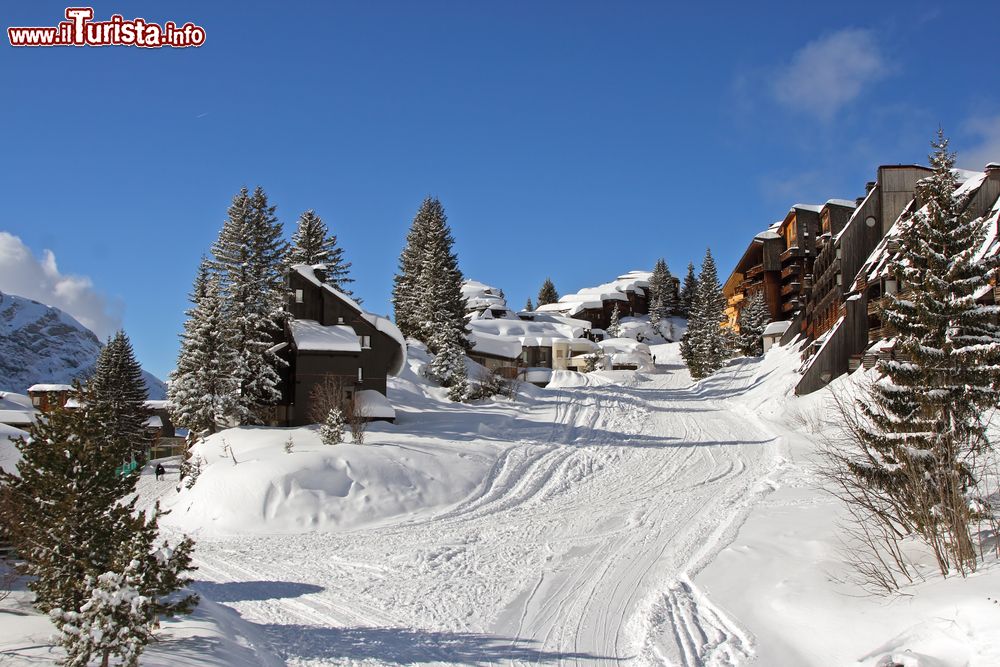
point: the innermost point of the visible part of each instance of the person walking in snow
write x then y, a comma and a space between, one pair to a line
160, 471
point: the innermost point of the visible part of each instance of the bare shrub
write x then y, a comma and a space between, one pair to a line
327, 394
487, 384
357, 420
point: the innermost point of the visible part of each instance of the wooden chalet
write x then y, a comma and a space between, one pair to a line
328, 335
46, 397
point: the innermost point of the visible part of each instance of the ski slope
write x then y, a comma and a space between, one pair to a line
579, 547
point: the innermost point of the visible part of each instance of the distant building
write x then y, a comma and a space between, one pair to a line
629, 292
46, 397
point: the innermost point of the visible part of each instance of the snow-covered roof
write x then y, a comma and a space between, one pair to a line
594, 297
154, 422
373, 405
849, 203
815, 208
50, 387
11, 401
17, 417
506, 347
380, 323
482, 297
310, 335
776, 328
73, 403
158, 405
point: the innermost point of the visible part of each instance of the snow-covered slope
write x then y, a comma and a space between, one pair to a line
41, 344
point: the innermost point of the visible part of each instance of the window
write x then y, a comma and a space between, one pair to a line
340, 320
366, 342
298, 296
36, 400
360, 378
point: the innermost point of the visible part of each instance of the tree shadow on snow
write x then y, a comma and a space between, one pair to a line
408, 646
242, 591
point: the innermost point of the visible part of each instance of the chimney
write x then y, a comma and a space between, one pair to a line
993, 171
869, 186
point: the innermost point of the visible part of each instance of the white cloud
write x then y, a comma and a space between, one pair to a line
830, 72
986, 147
23, 274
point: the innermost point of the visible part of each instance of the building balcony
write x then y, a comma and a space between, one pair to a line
789, 306
788, 271
791, 288
791, 253
754, 271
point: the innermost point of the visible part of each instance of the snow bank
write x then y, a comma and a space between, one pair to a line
251, 485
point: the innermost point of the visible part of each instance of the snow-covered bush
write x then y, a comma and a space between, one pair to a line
332, 428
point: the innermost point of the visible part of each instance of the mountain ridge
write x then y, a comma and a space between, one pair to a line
43, 344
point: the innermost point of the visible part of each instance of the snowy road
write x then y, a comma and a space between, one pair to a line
579, 548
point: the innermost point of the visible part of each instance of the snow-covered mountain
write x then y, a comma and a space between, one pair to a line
39, 343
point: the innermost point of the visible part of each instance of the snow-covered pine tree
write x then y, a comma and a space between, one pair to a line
312, 244
448, 366
925, 419
441, 310
615, 325
753, 320
75, 520
661, 294
688, 291
705, 347
547, 294
331, 431
249, 259
529, 306
204, 390
119, 394
406, 297
123, 606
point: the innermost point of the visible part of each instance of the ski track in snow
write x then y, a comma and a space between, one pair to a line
579, 547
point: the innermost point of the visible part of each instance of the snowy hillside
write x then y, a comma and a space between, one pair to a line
41, 344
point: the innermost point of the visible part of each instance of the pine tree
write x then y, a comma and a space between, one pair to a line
123, 606
615, 325
331, 431
448, 365
119, 393
75, 520
661, 294
688, 291
406, 297
925, 420
441, 312
204, 390
529, 306
313, 244
705, 347
753, 320
249, 259
547, 294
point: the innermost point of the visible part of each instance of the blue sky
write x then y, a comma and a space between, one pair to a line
576, 140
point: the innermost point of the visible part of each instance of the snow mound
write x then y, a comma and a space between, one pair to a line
251, 485
10, 455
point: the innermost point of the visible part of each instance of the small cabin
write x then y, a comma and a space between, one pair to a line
46, 397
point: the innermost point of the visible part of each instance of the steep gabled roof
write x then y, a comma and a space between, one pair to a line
382, 324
